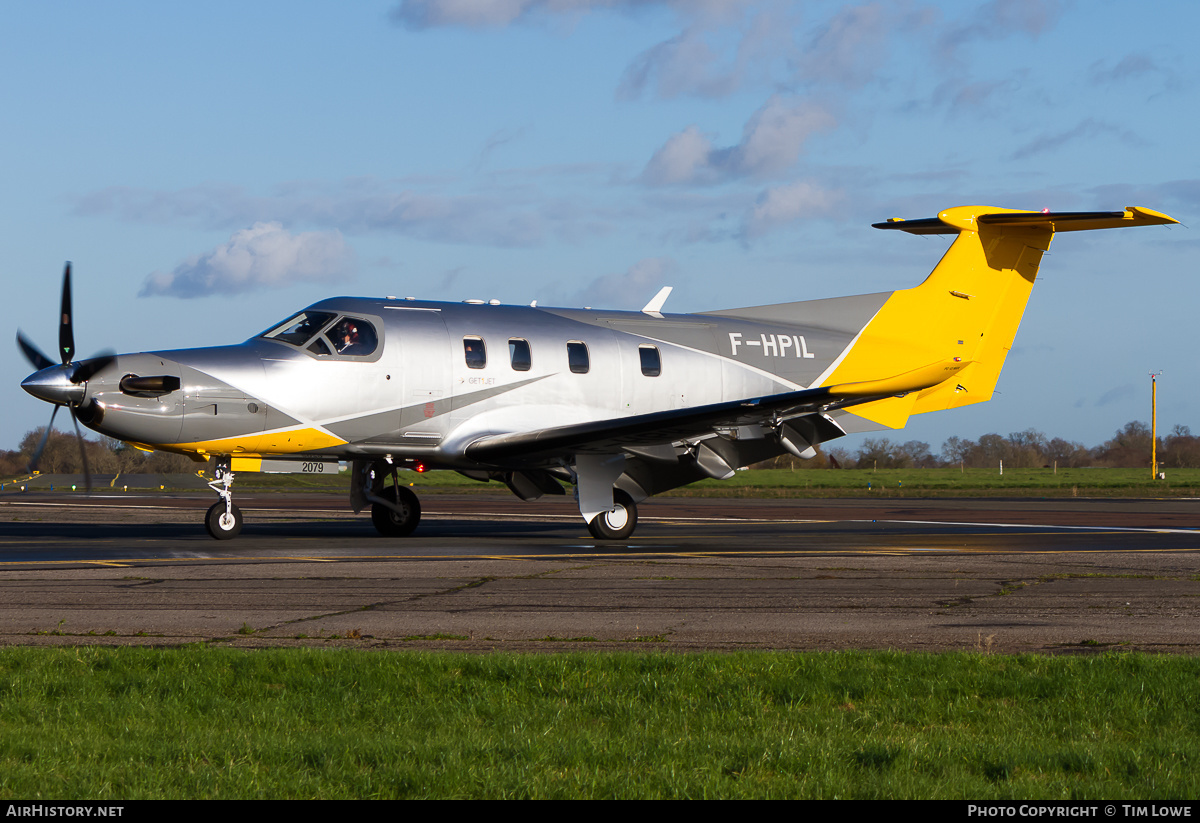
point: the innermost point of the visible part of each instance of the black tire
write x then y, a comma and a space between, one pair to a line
392, 523
221, 527
617, 524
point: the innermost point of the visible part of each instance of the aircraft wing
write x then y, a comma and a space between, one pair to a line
612, 436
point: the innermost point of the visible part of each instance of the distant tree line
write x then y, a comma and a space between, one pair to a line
1128, 448
105, 456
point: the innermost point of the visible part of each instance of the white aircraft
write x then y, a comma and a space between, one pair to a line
621, 404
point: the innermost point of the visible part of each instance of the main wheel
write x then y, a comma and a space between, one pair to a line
222, 525
618, 523
392, 523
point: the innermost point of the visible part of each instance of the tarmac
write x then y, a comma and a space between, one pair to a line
488, 573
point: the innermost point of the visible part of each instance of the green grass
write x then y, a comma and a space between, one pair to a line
776, 483
818, 483
127, 723
951, 482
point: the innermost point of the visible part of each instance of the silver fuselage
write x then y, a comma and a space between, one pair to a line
416, 397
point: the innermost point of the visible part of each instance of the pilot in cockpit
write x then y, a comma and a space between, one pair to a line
346, 338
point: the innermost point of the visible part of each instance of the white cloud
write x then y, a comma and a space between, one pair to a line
509, 218
850, 47
630, 289
420, 14
1088, 129
772, 140
423, 14
774, 136
684, 158
263, 256
784, 204
999, 19
723, 46
721, 43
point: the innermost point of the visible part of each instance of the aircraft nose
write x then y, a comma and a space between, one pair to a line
54, 386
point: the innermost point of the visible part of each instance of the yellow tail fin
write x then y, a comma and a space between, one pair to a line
969, 307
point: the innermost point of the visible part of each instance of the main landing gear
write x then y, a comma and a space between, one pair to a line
395, 510
397, 513
619, 522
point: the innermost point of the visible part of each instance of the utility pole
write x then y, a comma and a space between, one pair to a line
1154, 424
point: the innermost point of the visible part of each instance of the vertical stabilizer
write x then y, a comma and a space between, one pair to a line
969, 307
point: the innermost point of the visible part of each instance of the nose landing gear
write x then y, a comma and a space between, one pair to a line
223, 520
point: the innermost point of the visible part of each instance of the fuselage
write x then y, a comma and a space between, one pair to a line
424, 380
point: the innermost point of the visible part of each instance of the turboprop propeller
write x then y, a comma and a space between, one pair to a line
64, 384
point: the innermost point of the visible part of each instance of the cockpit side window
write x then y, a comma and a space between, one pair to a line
353, 336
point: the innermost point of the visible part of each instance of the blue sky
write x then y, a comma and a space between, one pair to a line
210, 168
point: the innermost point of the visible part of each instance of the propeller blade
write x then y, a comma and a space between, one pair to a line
87, 368
66, 336
87, 473
37, 453
32, 353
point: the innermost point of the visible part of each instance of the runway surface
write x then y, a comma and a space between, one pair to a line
490, 572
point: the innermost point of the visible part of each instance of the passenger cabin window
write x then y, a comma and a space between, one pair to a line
518, 354
651, 363
474, 352
577, 357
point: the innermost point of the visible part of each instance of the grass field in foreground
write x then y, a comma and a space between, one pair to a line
111, 723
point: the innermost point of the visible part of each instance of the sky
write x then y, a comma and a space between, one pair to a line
211, 168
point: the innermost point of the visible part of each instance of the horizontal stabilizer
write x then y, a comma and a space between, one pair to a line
966, 218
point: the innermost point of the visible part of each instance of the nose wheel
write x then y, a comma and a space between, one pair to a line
222, 524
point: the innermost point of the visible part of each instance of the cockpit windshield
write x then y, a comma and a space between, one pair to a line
319, 334
297, 330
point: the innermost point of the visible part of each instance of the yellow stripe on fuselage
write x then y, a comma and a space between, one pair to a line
286, 441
